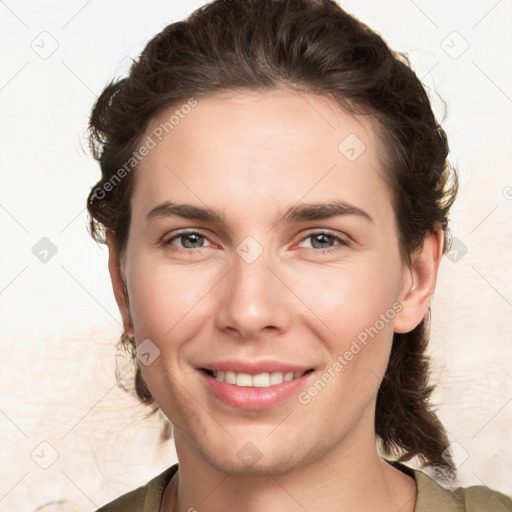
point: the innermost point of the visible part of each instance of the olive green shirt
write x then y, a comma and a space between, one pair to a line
431, 496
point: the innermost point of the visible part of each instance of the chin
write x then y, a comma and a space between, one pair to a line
253, 459
274, 466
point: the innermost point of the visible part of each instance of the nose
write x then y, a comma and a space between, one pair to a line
253, 300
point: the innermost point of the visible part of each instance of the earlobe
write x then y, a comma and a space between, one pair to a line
420, 282
118, 283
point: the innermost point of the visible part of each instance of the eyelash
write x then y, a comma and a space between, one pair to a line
329, 250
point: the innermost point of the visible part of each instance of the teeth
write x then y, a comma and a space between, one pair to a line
261, 380
230, 377
276, 378
243, 379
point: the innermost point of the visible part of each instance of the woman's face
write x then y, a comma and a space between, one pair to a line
266, 286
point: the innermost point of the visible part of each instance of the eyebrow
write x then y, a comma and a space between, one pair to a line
302, 212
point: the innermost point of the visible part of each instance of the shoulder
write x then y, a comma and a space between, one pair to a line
432, 496
146, 498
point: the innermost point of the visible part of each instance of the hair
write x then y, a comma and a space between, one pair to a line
310, 46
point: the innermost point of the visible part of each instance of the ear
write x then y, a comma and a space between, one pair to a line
419, 282
118, 282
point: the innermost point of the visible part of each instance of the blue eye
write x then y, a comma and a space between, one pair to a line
196, 239
322, 241
323, 238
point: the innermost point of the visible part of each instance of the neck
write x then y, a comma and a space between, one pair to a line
356, 477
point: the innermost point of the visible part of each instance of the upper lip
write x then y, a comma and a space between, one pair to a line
254, 367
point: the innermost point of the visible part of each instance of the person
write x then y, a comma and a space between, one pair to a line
275, 194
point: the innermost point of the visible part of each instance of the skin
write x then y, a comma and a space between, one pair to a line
251, 156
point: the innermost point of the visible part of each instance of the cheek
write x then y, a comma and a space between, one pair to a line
352, 297
165, 298
357, 306
356, 303
172, 302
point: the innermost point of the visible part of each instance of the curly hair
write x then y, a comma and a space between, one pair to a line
311, 46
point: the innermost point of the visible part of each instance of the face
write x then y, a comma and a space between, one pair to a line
269, 320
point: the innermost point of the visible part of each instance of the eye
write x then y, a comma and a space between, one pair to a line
188, 240
322, 240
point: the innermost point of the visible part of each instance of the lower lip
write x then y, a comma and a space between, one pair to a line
254, 399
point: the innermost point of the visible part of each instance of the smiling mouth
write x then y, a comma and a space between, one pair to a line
260, 380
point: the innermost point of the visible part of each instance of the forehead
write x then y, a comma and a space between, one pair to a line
252, 147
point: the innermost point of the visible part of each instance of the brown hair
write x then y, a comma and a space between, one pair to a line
311, 46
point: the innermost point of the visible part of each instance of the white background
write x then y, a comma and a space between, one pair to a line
59, 321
